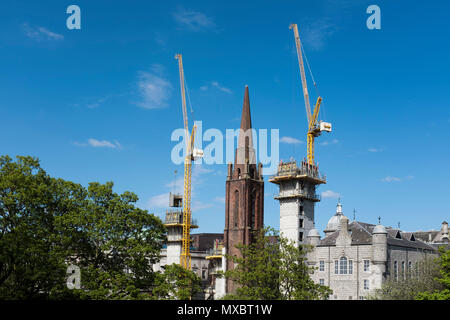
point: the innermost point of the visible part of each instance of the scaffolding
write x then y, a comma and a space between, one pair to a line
290, 170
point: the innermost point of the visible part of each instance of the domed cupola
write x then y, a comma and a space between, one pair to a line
334, 222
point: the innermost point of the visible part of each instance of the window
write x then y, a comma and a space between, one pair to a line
403, 269
300, 210
336, 267
300, 236
203, 274
301, 224
236, 208
366, 265
409, 269
252, 209
366, 284
361, 297
350, 298
321, 282
321, 265
343, 265
350, 266
395, 270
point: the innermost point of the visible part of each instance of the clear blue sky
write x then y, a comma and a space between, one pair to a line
100, 103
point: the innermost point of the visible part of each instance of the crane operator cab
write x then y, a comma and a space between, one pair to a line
324, 126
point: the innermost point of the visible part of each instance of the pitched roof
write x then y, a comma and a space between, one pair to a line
361, 234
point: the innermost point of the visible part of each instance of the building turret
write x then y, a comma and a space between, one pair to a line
379, 255
313, 239
379, 244
444, 232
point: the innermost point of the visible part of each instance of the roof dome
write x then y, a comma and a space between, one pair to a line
379, 229
313, 233
334, 222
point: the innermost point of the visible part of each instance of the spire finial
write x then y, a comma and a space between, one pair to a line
379, 220
339, 207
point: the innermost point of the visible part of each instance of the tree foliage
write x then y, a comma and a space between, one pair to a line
442, 293
47, 224
271, 268
407, 285
176, 283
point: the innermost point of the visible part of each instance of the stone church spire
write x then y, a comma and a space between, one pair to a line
245, 152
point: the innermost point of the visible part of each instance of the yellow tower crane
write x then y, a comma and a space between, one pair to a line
314, 128
191, 154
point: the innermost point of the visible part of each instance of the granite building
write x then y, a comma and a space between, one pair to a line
355, 258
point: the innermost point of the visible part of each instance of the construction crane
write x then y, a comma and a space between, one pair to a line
191, 155
314, 128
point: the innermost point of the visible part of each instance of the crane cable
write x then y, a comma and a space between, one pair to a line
322, 110
189, 100
309, 68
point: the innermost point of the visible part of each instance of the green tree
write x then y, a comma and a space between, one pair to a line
176, 283
407, 285
443, 279
31, 255
271, 268
115, 243
47, 224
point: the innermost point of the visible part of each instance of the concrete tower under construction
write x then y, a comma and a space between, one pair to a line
297, 196
174, 225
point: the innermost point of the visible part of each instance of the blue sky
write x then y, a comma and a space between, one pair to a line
100, 103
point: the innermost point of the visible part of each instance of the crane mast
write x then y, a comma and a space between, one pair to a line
314, 128
185, 257
302, 70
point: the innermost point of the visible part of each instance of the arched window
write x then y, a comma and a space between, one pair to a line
343, 265
252, 222
236, 208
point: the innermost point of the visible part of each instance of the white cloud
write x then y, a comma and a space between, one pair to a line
154, 90
330, 194
198, 170
159, 201
99, 101
177, 186
103, 143
315, 35
374, 149
158, 68
193, 20
218, 86
220, 200
391, 179
99, 144
290, 140
40, 33
198, 205
327, 143
396, 179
